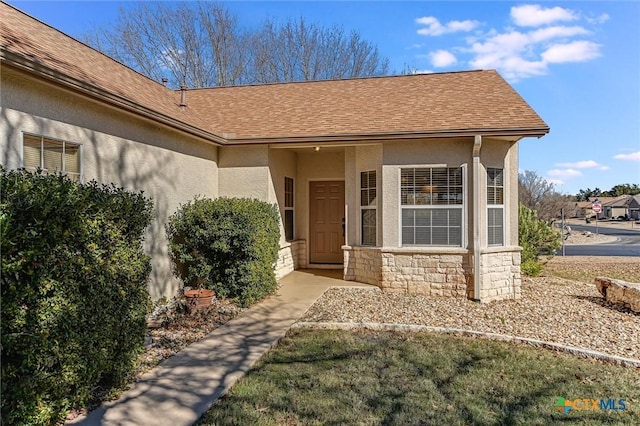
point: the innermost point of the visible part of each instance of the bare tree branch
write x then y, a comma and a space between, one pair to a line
202, 45
537, 194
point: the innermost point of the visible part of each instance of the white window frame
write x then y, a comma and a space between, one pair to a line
364, 208
64, 147
495, 206
290, 208
461, 206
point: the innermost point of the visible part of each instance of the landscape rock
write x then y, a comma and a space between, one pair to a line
620, 292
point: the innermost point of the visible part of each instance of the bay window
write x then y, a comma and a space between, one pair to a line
431, 200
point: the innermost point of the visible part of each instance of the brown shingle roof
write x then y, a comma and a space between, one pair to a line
425, 103
446, 103
620, 201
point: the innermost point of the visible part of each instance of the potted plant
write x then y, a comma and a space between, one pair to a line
198, 298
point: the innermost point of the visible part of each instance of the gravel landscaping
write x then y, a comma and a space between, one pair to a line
172, 328
551, 309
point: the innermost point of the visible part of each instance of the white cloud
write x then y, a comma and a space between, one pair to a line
556, 182
564, 173
576, 51
464, 26
548, 33
435, 28
541, 39
587, 164
442, 58
532, 15
506, 52
524, 54
634, 156
598, 19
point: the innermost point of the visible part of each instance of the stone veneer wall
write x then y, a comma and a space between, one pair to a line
436, 274
410, 271
291, 256
500, 270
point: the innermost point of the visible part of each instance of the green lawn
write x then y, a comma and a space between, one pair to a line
371, 378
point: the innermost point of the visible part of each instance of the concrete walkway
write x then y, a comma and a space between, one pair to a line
182, 388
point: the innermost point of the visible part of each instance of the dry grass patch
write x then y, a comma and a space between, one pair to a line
587, 268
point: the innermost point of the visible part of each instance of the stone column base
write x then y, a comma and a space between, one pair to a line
500, 274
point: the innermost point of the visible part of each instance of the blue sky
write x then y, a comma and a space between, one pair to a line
576, 63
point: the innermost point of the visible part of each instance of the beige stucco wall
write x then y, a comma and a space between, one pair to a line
244, 172
117, 147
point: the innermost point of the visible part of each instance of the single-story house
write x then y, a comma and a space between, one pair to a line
617, 207
634, 207
405, 182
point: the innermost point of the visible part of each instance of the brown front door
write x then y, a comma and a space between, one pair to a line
326, 214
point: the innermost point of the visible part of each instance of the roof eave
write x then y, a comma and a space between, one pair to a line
49, 74
516, 133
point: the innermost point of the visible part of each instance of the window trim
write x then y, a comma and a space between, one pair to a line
368, 207
290, 208
65, 142
496, 206
462, 206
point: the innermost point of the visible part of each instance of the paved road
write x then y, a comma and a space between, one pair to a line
617, 232
628, 243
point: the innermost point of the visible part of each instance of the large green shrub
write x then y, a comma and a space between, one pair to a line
74, 292
536, 237
228, 245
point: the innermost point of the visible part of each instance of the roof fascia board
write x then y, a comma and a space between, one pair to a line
33, 67
360, 139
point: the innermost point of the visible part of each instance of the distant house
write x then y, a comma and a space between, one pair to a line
634, 207
612, 207
622, 206
408, 183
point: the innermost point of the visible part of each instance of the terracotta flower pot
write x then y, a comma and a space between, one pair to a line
198, 299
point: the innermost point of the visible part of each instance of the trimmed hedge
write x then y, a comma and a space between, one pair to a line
74, 292
228, 245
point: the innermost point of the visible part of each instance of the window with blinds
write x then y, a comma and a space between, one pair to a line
495, 207
52, 156
288, 208
432, 201
368, 197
